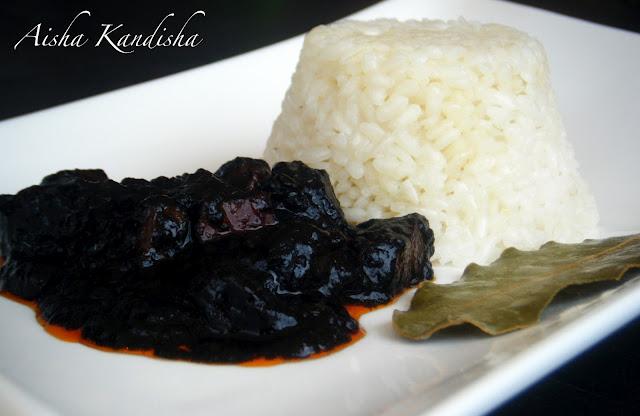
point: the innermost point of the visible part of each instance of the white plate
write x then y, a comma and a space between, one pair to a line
205, 116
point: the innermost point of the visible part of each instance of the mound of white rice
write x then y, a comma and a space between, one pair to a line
454, 120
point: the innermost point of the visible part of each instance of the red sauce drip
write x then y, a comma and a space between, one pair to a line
75, 335
68, 335
355, 311
30, 303
267, 362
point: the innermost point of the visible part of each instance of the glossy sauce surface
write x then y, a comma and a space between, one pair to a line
67, 335
245, 265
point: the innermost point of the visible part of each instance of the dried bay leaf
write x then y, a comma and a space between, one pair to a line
512, 292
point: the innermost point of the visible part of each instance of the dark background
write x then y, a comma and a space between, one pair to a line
33, 78
602, 381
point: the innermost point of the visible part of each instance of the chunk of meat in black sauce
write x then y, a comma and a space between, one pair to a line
243, 263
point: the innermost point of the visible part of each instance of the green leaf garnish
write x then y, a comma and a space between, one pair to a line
512, 292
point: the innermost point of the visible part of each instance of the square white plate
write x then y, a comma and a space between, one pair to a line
205, 116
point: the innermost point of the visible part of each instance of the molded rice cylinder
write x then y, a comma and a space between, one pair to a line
454, 120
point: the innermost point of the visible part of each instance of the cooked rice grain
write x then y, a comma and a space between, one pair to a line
454, 120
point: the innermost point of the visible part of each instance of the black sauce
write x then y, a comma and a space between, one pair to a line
244, 263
